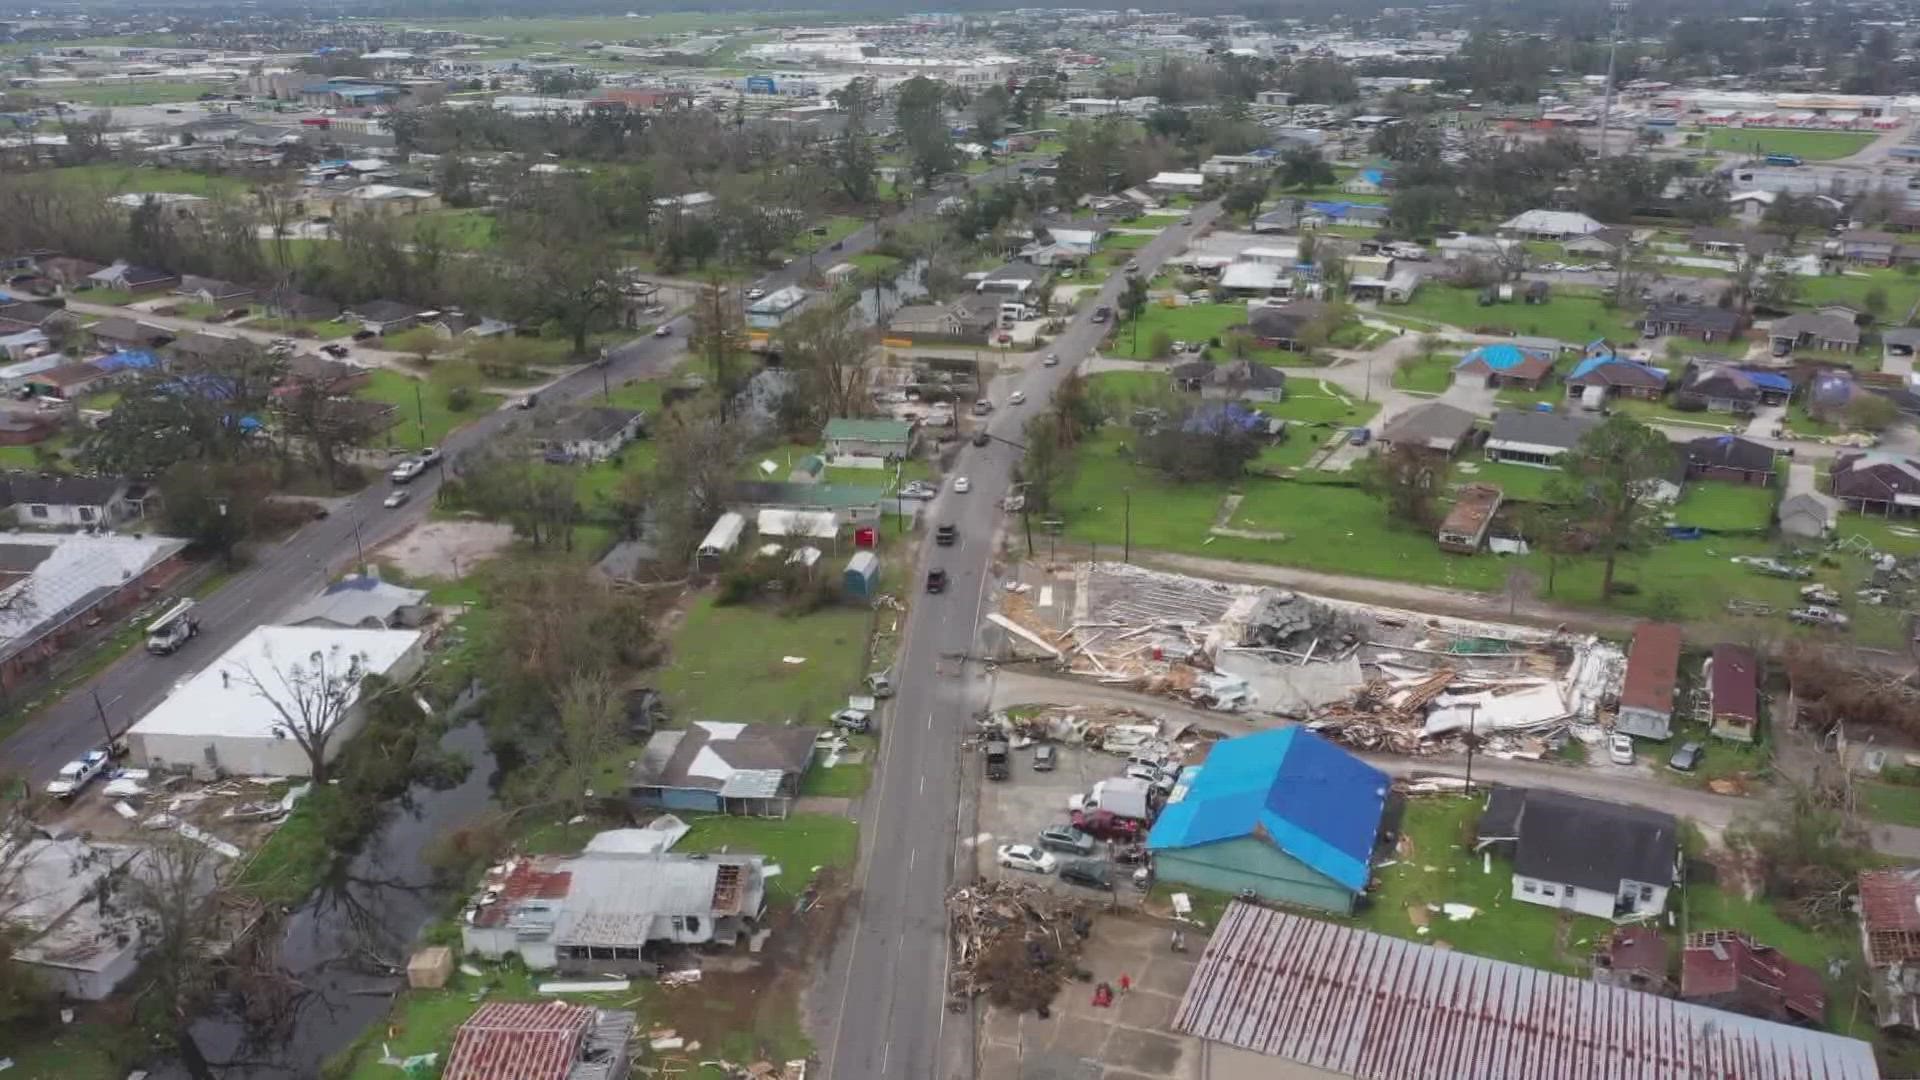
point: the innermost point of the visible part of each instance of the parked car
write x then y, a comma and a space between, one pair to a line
917, 489
397, 498
961, 485
1359, 436
1045, 758
1087, 873
1107, 825
1817, 615
1620, 749
1025, 857
936, 580
78, 773
1819, 594
880, 684
1685, 759
945, 535
527, 402
338, 352
852, 719
982, 407
663, 330
1066, 838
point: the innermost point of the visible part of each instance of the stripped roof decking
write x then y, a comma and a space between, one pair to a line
1379, 1008
518, 1041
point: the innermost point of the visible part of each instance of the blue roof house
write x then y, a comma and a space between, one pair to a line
1282, 813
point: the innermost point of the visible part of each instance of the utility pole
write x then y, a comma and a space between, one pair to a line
420, 412
101, 710
1619, 8
1127, 534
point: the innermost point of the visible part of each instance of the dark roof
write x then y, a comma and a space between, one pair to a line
1284, 320
386, 311
1817, 325
32, 314
214, 287
143, 275
1755, 243
1874, 475
122, 329
1652, 667
1541, 429
1637, 949
1720, 380
1191, 370
212, 345
1248, 375
1695, 316
1571, 840
591, 423
1423, 424
1612, 371
1729, 452
26, 487
1736, 683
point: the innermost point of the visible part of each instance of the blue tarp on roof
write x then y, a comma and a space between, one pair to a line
1373, 176
1215, 417
1767, 380
1496, 357
127, 360
1308, 797
1592, 362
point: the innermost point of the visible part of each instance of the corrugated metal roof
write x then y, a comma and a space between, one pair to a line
1736, 683
518, 1041
1652, 667
1379, 1008
1890, 914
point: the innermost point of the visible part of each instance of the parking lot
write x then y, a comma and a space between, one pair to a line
1014, 810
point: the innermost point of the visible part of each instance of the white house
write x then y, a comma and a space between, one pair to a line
768, 312
1550, 225
588, 432
1596, 858
1177, 183
224, 719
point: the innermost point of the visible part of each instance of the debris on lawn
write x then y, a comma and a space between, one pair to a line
1016, 943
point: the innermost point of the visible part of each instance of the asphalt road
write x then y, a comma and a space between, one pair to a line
887, 998
282, 576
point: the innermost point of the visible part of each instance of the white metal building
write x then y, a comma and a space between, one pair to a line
219, 721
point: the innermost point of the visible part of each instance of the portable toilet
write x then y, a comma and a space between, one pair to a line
863, 574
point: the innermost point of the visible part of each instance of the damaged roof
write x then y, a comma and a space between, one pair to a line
518, 1041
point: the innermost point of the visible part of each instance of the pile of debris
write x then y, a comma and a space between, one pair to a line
1113, 730
1016, 943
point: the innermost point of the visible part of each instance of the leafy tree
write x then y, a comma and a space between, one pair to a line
1199, 442
829, 351
1417, 210
1791, 215
1407, 142
1302, 167
1133, 302
991, 108
564, 265
698, 464
1246, 196
1875, 301
215, 505
1868, 411
1809, 849
590, 722
1159, 345
853, 157
920, 112
510, 482
328, 424
718, 338
1404, 478
1609, 475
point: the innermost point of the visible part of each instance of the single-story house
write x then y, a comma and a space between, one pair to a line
545, 1040
1246, 278
69, 381
1727, 969
24, 315
1504, 365
459, 324
1733, 690
1609, 376
1245, 380
363, 602
868, 438
1633, 958
852, 503
961, 320
300, 307
1730, 458
1555, 225
1521, 437
1596, 858
23, 344
1751, 206
1734, 242
205, 347
614, 910
134, 279
1816, 330
119, 332
1283, 814
1359, 215
224, 719
1646, 694
70, 902
586, 433
1876, 482
1366, 182
385, 316
60, 501
1691, 320
322, 374
1283, 326
1723, 388
1890, 936
1806, 515
1434, 426
1466, 524
212, 290
723, 768
1604, 243
1466, 246
1177, 183
68, 271
1874, 248
1190, 377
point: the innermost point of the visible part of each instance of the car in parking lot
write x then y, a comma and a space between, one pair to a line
1067, 838
936, 580
1107, 825
1045, 758
1620, 749
1025, 857
1685, 759
1088, 873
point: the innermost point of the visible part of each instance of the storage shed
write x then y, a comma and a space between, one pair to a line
863, 574
720, 541
1733, 680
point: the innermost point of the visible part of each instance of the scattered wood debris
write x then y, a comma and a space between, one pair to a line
1015, 943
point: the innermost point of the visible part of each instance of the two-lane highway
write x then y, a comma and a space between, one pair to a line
887, 997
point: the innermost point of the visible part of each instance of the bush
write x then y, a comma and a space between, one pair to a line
459, 398
1160, 345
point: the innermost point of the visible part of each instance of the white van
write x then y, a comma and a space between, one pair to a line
172, 629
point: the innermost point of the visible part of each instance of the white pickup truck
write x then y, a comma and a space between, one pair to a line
77, 774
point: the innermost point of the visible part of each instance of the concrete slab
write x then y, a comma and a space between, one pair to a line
1146, 1051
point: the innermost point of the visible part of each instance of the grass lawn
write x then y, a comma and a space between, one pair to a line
847, 779
1902, 291
1429, 376
1441, 868
122, 179
462, 230
1808, 145
876, 264
105, 297
80, 1051
317, 331
1898, 804
1717, 907
1569, 318
1661, 412
1194, 323
289, 864
423, 418
146, 93
1522, 482
31, 457
728, 662
838, 228
802, 844
1126, 242
1725, 507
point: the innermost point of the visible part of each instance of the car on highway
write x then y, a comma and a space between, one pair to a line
1052, 360
961, 485
982, 407
936, 580
663, 330
1024, 857
407, 471
1067, 838
946, 534
1620, 749
78, 773
1685, 759
1102, 313
1087, 873
397, 498
1018, 397
1133, 265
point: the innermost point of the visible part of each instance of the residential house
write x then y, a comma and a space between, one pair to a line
1735, 243
1434, 426
1604, 243
1250, 279
1691, 320
385, 316
1466, 524
1729, 458
67, 271
1358, 215
1874, 248
59, 501
1875, 482
1284, 326
458, 324
119, 332
1282, 814
723, 768
1830, 392
203, 346
1750, 207
1901, 341
1283, 218
1553, 225
1646, 694
56, 587
586, 433
69, 381
971, 318
1732, 676
1506, 366
1191, 376
608, 912
1814, 330
1598, 378
1176, 183
1366, 182
1245, 380
853, 504
29, 316
222, 294
24, 345
1633, 958
300, 307
322, 374
1521, 437
1727, 969
892, 439
1890, 938
126, 277
1595, 858
1720, 388
543, 1040
363, 602
1806, 516
1282, 995
70, 902
1462, 246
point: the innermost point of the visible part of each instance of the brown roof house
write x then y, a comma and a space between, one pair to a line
1634, 958
1284, 326
1890, 934
1877, 482
1646, 697
1465, 527
1435, 426
1729, 970
723, 768
123, 333
1733, 688
1245, 380
1730, 458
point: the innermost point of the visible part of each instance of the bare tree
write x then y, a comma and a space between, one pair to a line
590, 717
313, 698
718, 338
174, 887
830, 352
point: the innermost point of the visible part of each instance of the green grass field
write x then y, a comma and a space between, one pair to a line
1725, 507
728, 662
1126, 241
422, 416
1429, 376
125, 179
1521, 482
462, 230
1901, 289
1577, 319
1807, 145
146, 93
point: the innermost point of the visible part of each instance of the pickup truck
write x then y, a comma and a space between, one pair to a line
1816, 615
997, 768
77, 774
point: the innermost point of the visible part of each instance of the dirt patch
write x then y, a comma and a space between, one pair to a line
445, 549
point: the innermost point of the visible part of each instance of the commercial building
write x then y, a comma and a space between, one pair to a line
1283, 814
53, 586
225, 720
1280, 995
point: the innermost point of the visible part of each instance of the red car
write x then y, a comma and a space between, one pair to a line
1107, 825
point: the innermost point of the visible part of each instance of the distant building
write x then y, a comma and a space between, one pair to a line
1535, 438
363, 602
1554, 225
1733, 689
1434, 426
1507, 366
55, 587
1890, 936
586, 433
